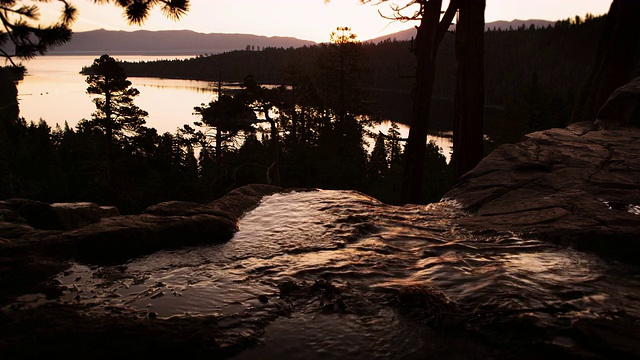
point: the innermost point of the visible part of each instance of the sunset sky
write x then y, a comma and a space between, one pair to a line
307, 19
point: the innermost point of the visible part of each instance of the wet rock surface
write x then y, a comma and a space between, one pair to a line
30, 251
230, 206
332, 274
118, 239
31, 254
99, 234
574, 186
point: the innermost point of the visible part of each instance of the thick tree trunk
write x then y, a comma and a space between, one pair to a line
9, 109
430, 34
9, 113
615, 60
469, 98
426, 46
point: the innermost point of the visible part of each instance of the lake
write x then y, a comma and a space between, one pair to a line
55, 91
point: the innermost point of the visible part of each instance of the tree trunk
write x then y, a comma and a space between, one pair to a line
615, 60
109, 134
469, 98
294, 126
218, 150
430, 34
274, 148
425, 51
9, 110
9, 113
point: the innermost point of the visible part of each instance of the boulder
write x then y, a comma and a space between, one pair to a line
118, 239
240, 200
177, 208
36, 213
8, 215
171, 224
232, 205
57, 216
13, 231
96, 234
78, 214
574, 186
622, 107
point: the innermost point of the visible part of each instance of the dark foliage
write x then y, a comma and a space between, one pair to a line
313, 144
617, 59
24, 36
550, 64
561, 55
532, 78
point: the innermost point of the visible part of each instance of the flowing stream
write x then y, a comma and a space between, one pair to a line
335, 274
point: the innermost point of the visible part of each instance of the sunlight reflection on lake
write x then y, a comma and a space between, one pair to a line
55, 91
444, 139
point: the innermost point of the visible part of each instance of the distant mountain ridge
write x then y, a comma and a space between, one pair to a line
168, 42
187, 42
504, 25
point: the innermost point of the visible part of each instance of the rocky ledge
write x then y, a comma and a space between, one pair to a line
575, 186
37, 239
99, 235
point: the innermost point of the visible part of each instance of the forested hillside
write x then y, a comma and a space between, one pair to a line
558, 56
495, 25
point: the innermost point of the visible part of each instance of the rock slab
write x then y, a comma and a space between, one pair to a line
94, 234
57, 216
167, 225
574, 186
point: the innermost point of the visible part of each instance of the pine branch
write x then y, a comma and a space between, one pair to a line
30, 40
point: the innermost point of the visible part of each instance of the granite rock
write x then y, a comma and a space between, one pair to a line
575, 186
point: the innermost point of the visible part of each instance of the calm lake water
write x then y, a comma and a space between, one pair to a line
55, 91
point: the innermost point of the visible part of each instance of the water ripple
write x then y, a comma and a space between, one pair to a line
371, 252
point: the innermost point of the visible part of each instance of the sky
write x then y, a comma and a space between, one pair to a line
306, 19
